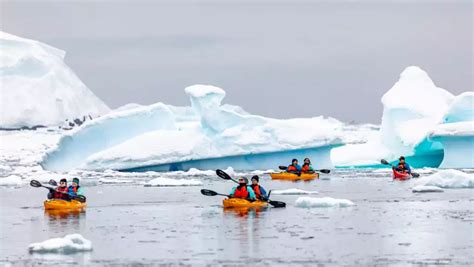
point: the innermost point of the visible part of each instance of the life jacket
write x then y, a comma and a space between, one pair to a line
59, 195
256, 189
291, 168
305, 168
73, 189
241, 192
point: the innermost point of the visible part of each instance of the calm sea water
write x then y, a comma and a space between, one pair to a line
132, 224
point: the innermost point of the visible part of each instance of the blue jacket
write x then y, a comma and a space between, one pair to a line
249, 189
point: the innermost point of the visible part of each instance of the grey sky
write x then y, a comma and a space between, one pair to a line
285, 59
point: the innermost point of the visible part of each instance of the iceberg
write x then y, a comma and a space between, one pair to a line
172, 182
66, 245
206, 136
456, 133
38, 88
293, 191
426, 189
412, 107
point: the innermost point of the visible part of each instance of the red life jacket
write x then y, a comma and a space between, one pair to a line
291, 168
305, 168
241, 192
59, 195
256, 189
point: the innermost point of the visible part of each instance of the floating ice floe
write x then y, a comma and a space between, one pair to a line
115, 181
293, 191
447, 179
38, 88
66, 245
426, 189
323, 202
172, 182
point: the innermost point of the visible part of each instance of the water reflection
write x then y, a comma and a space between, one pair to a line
65, 220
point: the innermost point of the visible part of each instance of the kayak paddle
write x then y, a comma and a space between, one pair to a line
326, 171
211, 193
79, 198
413, 174
225, 176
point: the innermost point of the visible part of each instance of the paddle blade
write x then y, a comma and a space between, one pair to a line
269, 193
384, 162
208, 192
325, 171
415, 175
80, 198
223, 174
52, 182
277, 204
35, 183
282, 168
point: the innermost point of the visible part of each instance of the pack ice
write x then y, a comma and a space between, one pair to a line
38, 88
413, 110
206, 135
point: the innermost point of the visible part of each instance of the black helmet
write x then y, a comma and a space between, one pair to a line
63, 180
293, 160
402, 157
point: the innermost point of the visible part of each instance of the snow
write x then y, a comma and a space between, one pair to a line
412, 107
293, 191
38, 88
426, 189
447, 179
173, 182
115, 181
206, 135
66, 245
322, 202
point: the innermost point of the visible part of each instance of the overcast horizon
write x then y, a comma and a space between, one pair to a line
279, 60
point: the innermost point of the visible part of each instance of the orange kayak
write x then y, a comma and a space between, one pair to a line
59, 204
243, 203
294, 177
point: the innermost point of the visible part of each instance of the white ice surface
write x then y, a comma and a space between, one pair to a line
12, 180
293, 191
447, 179
38, 88
65, 245
323, 202
426, 189
173, 182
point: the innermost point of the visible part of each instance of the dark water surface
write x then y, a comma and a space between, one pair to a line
133, 224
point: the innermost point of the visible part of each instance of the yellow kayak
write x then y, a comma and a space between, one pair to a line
294, 177
59, 204
243, 203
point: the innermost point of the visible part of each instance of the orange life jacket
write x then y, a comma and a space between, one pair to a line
256, 189
305, 168
241, 192
291, 168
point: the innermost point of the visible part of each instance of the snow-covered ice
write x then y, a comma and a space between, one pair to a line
323, 202
447, 179
38, 88
208, 136
161, 181
293, 191
426, 189
12, 180
65, 245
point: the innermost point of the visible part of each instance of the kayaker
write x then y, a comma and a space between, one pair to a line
403, 166
75, 189
294, 167
60, 192
243, 190
307, 166
260, 192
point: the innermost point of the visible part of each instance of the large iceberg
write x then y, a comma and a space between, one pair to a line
207, 135
412, 108
456, 133
38, 88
